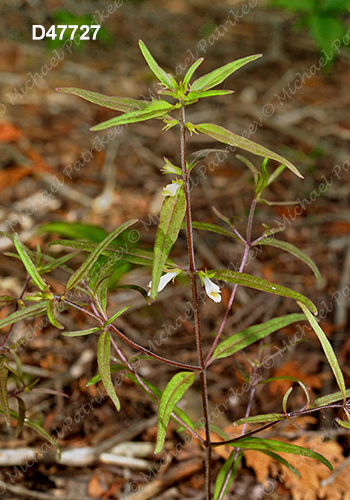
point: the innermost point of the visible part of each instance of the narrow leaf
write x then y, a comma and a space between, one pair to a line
251, 167
251, 443
191, 70
282, 461
80, 333
327, 348
29, 265
27, 312
248, 336
288, 247
285, 399
55, 263
261, 284
165, 78
156, 109
3, 393
214, 228
116, 315
224, 471
329, 399
103, 360
208, 93
260, 419
51, 312
85, 268
101, 292
346, 425
172, 393
137, 288
171, 217
200, 155
227, 137
21, 416
125, 104
220, 74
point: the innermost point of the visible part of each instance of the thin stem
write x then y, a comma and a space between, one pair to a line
233, 293
148, 390
193, 281
133, 344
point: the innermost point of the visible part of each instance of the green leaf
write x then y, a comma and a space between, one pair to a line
194, 96
217, 76
29, 265
155, 109
84, 269
191, 70
36, 427
51, 311
341, 6
165, 78
326, 30
263, 179
214, 228
101, 291
248, 336
116, 315
137, 288
103, 360
55, 263
80, 333
125, 104
288, 247
251, 167
295, 5
132, 255
227, 137
4, 405
260, 419
224, 471
200, 155
171, 217
21, 416
285, 399
329, 399
327, 348
282, 461
172, 393
259, 444
97, 377
276, 173
27, 312
346, 425
261, 284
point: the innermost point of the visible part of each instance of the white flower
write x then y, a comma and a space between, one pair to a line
211, 289
164, 280
172, 189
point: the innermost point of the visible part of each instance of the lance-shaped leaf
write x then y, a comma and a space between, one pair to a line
224, 471
54, 263
125, 254
125, 104
51, 311
27, 312
165, 78
103, 360
227, 137
36, 427
191, 70
214, 228
86, 267
329, 399
288, 247
116, 315
342, 423
80, 333
260, 419
327, 348
194, 96
172, 393
217, 76
4, 405
137, 288
155, 109
282, 461
200, 155
259, 444
21, 415
29, 265
261, 284
171, 217
248, 336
